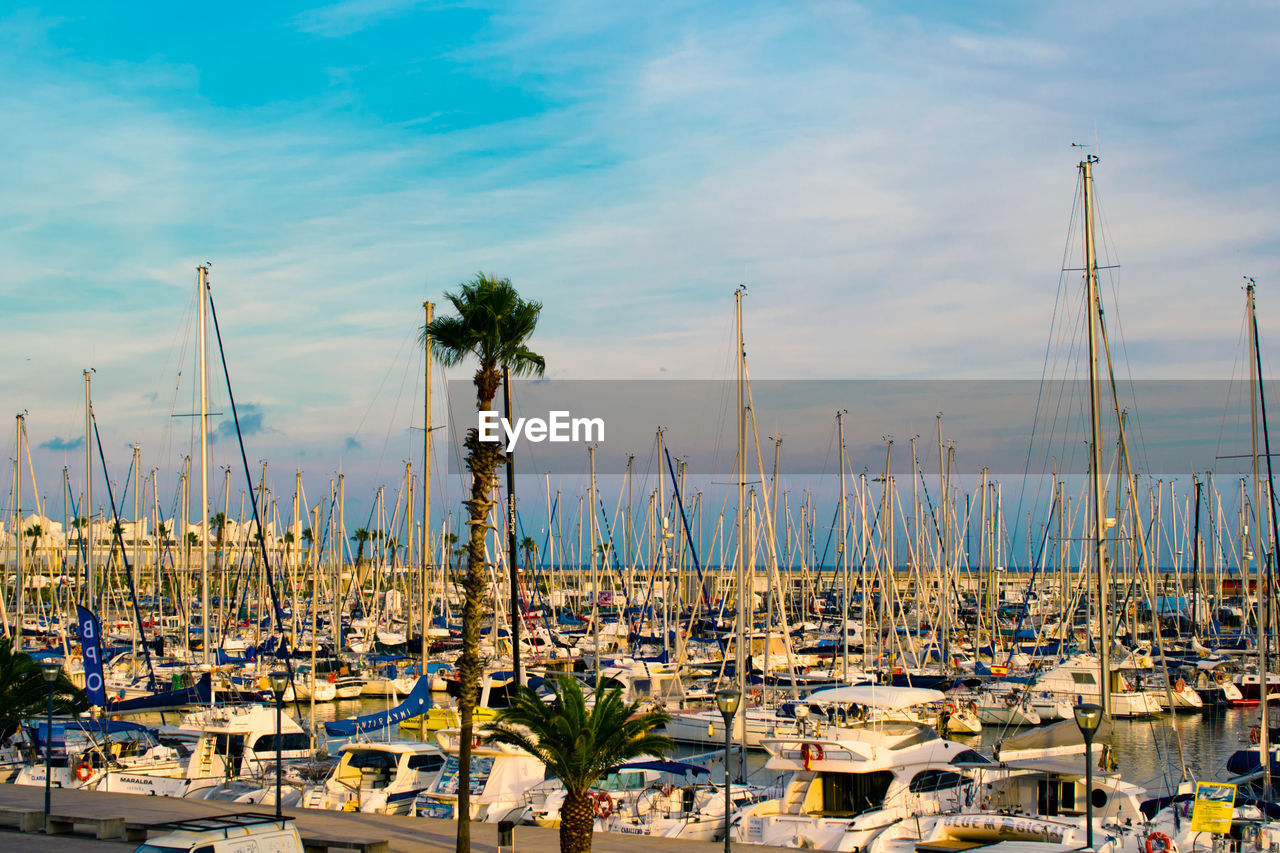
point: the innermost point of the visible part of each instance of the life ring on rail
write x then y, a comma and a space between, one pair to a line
1220, 677
1179, 686
1255, 735
811, 752
1010, 699
755, 696
602, 803
84, 771
333, 677
950, 707
1158, 842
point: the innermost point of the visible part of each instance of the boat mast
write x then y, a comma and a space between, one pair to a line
87, 529
429, 309
18, 533
1263, 598
1099, 498
843, 550
206, 613
740, 661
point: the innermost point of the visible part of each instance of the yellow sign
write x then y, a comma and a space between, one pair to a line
1212, 812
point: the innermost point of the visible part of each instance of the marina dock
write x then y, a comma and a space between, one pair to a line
404, 834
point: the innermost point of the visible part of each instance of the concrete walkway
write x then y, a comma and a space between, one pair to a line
406, 834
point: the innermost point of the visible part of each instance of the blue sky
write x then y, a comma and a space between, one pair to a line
894, 180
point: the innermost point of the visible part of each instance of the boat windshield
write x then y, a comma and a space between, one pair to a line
852, 794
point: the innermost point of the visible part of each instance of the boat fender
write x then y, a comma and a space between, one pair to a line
83, 771
1158, 842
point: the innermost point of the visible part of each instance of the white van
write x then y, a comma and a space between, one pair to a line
230, 833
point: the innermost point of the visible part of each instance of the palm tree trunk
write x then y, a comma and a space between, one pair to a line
483, 458
577, 819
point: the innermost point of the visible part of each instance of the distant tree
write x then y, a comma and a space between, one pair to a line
361, 538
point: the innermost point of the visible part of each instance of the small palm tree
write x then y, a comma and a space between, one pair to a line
530, 549
22, 690
579, 746
361, 538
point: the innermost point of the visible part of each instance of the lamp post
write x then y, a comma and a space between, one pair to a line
279, 683
727, 701
1088, 718
49, 671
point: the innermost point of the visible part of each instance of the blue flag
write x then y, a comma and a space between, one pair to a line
417, 702
91, 648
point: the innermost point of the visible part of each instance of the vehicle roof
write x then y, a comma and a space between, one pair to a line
206, 829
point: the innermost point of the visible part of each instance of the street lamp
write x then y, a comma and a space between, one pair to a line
727, 701
1088, 718
279, 683
49, 671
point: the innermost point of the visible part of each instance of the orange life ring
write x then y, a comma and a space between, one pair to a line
1180, 685
811, 752
1220, 677
84, 771
333, 676
1158, 842
950, 707
602, 803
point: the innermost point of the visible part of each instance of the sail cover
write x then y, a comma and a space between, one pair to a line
417, 702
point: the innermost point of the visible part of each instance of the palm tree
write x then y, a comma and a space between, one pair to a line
492, 325
577, 745
360, 537
530, 549
22, 690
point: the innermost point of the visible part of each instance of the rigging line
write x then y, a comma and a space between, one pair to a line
395, 410
283, 647
118, 530
1044, 371
1231, 383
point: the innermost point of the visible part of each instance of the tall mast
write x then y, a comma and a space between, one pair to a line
740, 661
843, 550
1099, 498
86, 532
206, 612
1263, 597
595, 573
17, 531
137, 538
512, 557
429, 309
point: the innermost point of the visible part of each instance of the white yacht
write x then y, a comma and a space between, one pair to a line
230, 742
841, 793
378, 778
501, 777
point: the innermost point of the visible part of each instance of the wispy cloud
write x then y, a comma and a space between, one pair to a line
894, 189
56, 443
350, 16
